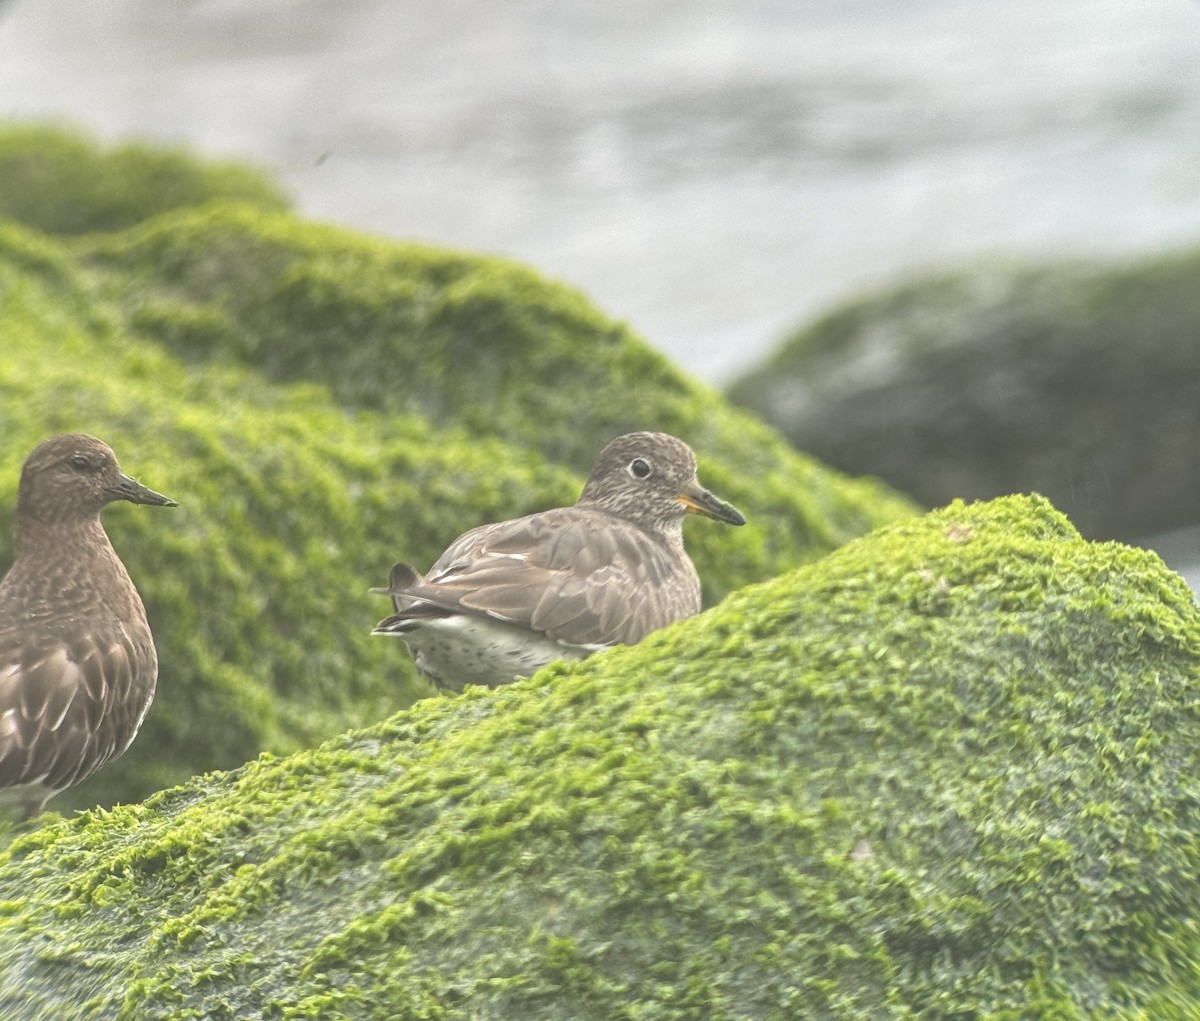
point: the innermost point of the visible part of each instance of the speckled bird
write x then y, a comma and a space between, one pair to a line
506, 599
78, 666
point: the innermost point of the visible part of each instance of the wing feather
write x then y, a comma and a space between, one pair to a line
565, 573
67, 705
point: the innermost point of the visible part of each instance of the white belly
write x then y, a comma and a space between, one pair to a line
461, 649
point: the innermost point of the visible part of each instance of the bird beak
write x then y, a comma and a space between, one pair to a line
698, 500
133, 491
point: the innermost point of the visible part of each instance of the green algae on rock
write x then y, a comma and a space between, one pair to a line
61, 183
478, 343
948, 772
258, 589
482, 343
178, 339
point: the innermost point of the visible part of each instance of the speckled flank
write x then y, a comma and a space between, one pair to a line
463, 648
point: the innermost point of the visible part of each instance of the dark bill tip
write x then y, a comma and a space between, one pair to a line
699, 500
133, 491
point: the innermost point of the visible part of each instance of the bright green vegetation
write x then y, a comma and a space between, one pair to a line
61, 183
948, 772
323, 404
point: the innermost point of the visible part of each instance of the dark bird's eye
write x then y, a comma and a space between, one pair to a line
638, 468
80, 463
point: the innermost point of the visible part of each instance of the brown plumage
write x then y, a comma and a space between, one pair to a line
507, 598
77, 662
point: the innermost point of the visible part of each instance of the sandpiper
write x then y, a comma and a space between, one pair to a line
77, 662
506, 599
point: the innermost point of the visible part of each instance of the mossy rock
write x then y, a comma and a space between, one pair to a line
948, 772
1077, 381
61, 182
482, 344
256, 585
296, 495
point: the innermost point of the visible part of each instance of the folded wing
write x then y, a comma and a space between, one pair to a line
561, 573
68, 706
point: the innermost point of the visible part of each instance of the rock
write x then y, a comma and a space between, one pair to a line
1078, 382
65, 184
324, 404
948, 771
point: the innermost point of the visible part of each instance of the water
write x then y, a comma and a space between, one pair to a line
713, 172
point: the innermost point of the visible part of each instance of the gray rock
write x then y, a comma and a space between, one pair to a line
1078, 382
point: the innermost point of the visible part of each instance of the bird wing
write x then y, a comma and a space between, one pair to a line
68, 705
563, 573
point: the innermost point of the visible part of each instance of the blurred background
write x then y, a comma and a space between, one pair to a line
722, 175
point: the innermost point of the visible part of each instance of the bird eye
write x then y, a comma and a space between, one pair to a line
80, 463
638, 468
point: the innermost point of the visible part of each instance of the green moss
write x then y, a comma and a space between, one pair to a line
947, 772
256, 585
477, 343
62, 183
268, 374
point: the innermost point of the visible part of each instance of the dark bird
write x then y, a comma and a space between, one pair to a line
77, 661
508, 598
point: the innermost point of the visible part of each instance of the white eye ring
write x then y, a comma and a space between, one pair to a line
638, 468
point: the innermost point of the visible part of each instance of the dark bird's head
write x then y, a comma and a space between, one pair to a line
72, 477
650, 479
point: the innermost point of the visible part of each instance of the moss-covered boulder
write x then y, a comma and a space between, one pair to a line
269, 375
1081, 382
949, 772
63, 183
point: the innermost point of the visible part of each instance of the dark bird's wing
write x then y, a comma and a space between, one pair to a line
579, 578
69, 702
